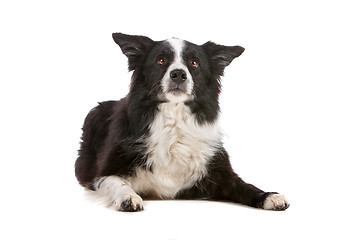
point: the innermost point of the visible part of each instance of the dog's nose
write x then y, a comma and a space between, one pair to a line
178, 75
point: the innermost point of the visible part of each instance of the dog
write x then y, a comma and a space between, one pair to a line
163, 140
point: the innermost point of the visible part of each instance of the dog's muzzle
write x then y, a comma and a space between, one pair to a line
179, 81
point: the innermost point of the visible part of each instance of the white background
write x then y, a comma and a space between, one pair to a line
290, 108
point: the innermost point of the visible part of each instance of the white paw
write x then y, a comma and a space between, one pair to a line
129, 203
276, 202
117, 193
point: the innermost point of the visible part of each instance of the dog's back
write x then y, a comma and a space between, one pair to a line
95, 131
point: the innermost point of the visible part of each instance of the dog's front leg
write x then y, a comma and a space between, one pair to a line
222, 183
118, 194
239, 191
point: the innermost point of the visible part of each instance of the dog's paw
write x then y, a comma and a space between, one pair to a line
276, 202
129, 203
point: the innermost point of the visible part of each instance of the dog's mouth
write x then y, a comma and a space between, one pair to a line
177, 91
177, 88
177, 94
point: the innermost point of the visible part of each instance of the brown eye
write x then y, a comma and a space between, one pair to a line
161, 61
194, 63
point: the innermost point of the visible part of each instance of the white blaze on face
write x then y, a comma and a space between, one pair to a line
177, 46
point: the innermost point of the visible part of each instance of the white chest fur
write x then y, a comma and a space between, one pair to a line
178, 152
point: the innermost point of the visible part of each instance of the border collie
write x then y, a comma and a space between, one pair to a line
163, 140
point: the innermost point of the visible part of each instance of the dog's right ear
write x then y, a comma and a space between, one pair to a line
134, 47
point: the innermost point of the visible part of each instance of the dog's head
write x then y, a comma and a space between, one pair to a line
174, 69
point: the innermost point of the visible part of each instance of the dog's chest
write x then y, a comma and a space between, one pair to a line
178, 152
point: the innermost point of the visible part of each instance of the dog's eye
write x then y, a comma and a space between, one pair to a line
194, 63
161, 61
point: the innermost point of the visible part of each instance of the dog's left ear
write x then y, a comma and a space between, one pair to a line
134, 47
221, 56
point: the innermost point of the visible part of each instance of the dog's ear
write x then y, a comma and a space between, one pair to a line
221, 56
134, 47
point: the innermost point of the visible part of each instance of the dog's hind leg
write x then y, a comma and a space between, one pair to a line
117, 193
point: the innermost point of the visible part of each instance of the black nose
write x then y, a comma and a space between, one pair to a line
178, 75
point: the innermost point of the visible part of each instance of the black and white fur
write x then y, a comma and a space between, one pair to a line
163, 140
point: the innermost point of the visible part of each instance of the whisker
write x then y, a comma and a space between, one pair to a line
155, 87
